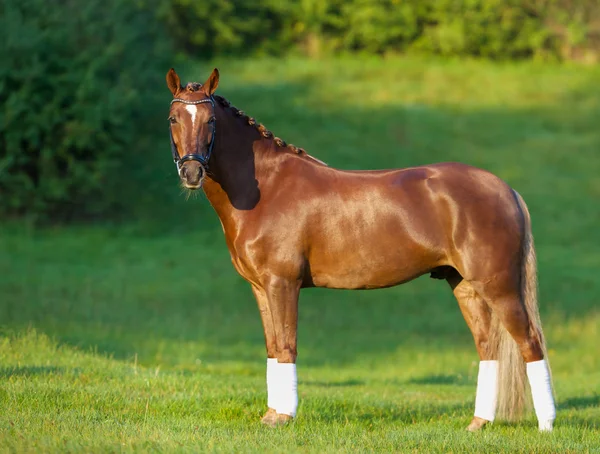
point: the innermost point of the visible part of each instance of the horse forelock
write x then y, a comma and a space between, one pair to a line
193, 86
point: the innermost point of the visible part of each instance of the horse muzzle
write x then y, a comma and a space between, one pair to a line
192, 174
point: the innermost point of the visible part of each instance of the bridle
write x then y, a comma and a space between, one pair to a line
201, 159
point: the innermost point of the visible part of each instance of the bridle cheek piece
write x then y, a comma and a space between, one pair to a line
201, 159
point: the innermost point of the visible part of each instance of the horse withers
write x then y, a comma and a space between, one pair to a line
292, 222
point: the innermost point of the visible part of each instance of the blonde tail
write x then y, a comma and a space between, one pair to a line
513, 392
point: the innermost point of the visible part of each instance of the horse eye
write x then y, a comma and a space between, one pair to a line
172, 120
212, 120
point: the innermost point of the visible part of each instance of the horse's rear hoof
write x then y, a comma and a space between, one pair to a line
477, 424
274, 419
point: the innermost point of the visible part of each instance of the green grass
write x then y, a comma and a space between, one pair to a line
141, 337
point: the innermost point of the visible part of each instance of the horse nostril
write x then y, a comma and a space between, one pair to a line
183, 173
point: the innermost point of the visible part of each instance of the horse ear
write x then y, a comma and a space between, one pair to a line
173, 82
210, 86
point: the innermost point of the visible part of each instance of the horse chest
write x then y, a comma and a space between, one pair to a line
243, 258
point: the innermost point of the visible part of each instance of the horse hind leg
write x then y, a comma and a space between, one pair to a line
516, 336
478, 317
514, 330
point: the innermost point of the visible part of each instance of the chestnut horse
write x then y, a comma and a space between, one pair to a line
292, 222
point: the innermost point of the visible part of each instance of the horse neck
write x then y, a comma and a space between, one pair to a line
240, 159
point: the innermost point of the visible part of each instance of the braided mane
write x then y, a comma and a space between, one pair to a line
195, 86
259, 127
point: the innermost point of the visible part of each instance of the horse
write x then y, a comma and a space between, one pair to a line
292, 222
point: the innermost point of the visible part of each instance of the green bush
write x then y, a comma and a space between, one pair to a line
499, 29
77, 85
217, 27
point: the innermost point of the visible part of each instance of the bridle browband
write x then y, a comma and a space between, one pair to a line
201, 159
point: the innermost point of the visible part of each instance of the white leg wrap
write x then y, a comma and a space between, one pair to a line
487, 390
282, 387
271, 382
541, 390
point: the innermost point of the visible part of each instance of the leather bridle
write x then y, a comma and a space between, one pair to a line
201, 159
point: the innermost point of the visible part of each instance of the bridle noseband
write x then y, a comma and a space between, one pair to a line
201, 159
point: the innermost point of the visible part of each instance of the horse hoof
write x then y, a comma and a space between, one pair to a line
274, 419
476, 424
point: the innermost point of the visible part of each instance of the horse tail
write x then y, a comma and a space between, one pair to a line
513, 395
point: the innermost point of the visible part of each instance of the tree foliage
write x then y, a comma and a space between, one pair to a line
499, 29
75, 81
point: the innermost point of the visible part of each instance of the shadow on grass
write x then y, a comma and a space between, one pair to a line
440, 380
28, 371
333, 384
369, 414
578, 403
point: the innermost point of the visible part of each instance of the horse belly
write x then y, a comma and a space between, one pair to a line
371, 264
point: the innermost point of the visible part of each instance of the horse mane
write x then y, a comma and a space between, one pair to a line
258, 126
264, 132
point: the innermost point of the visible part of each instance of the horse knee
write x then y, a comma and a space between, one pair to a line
271, 350
531, 349
483, 347
287, 355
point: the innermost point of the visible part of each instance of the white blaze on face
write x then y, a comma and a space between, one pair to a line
192, 109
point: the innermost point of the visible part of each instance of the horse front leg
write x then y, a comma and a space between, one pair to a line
278, 306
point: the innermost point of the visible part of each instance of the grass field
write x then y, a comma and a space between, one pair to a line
140, 336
